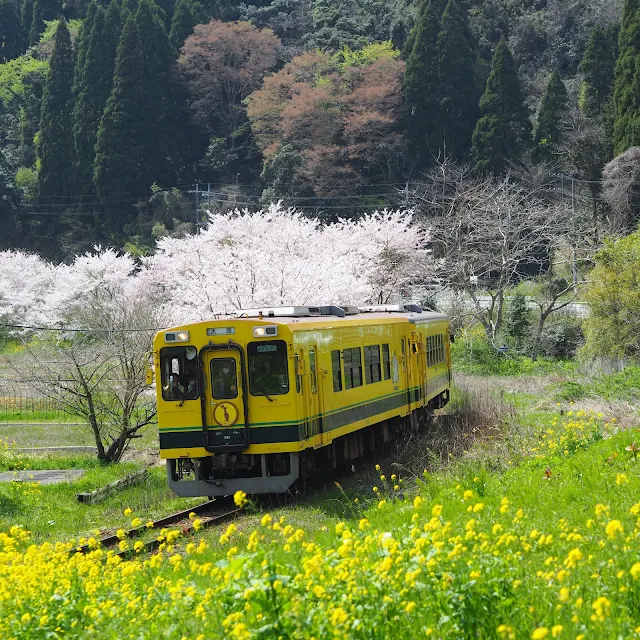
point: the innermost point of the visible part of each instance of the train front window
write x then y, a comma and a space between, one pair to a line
224, 381
268, 369
179, 373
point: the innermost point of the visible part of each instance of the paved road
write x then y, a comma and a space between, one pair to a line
43, 476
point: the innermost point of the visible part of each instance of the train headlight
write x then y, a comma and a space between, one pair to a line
263, 332
179, 336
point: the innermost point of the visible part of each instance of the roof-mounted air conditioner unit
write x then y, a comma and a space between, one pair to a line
392, 308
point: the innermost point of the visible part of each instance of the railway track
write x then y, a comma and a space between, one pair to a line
181, 518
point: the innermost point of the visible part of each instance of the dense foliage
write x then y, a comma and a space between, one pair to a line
613, 328
334, 106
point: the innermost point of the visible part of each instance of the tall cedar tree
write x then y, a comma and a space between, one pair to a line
438, 6
10, 30
503, 132
26, 13
93, 93
161, 103
36, 24
420, 89
187, 15
549, 128
55, 141
597, 67
458, 111
80, 46
119, 175
626, 93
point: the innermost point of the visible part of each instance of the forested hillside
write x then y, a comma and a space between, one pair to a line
118, 120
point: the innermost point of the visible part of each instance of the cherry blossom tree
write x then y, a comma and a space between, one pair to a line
278, 256
94, 367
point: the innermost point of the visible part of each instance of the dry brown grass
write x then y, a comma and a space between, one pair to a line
474, 424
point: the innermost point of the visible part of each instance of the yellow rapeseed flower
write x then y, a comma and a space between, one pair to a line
613, 529
127, 512
540, 633
635, 571
240, 499
505, 631
601, 609
556, 630
621, 478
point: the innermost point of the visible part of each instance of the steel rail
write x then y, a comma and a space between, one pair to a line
135, 532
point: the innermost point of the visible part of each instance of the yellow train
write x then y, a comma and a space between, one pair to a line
258, 401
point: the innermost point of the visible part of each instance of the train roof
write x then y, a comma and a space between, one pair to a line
299, 318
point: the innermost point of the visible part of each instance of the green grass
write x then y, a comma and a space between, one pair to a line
623, 385
52, 512
57, 434
26, 414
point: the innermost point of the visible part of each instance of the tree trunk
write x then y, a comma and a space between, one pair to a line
536, 339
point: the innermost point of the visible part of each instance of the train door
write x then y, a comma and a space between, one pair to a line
311, 392
406, 367
421, 362
224, 400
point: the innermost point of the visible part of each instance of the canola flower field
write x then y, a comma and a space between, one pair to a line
544, 546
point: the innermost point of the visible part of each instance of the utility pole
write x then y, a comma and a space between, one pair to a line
574, 268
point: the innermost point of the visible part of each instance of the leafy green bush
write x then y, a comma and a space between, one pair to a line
568, 391
473, 353
562, 336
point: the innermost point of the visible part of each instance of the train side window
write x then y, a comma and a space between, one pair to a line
372, 363
312, 370
296, 367
441, 344
352, 367
429, 351
336, 369
386, 362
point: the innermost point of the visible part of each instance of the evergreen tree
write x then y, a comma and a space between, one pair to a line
597, 66
55, 142
504, 130
420, 88
626, 93
549, 128
10, 30
187, 15
162, 103
129, 7
119, 161
36, 25
93, 92
113, 27
26, 13
458, 112
438, 7
81, 46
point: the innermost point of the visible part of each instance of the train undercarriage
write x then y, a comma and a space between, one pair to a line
224, 474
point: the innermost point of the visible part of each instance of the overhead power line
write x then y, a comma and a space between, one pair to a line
79, 329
